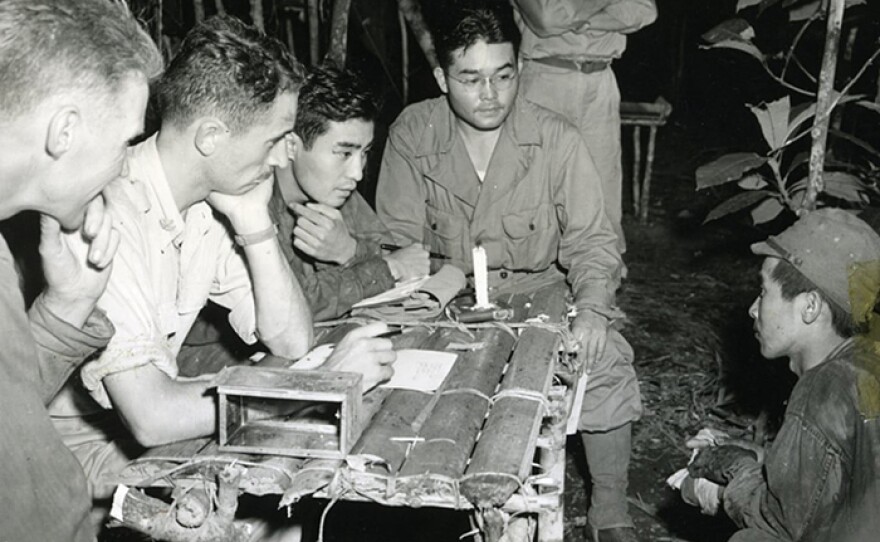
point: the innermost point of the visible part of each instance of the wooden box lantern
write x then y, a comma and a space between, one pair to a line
288, 412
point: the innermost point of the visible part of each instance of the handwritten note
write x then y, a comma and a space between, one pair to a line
402, 290
421, 370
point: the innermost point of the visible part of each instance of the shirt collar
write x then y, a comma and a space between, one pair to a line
439, 133
146, 167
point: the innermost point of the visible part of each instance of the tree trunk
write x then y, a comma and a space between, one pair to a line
412, 12
339, 33
819, 132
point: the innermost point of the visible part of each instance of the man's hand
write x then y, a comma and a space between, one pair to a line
247, 212
721, 464
362, 352
321, 233
409, 262
77, 264
591, 331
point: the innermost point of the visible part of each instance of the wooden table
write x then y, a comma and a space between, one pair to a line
490, 440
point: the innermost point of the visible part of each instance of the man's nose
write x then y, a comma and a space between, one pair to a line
487, 88
356, 167
753, 310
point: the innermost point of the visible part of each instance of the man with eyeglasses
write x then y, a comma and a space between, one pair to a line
480, 166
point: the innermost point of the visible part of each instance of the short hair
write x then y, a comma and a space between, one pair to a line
464, 26
228, 69
49, 46
329, 95
792, 283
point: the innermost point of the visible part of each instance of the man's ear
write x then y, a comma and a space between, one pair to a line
812, 306
62, 130
440, 77
294, 145
210, 133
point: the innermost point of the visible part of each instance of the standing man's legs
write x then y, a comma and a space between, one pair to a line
592, 103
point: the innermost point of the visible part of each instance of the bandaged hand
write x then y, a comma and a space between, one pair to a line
721, 464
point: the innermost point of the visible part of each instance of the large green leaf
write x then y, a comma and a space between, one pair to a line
738, 202
773, 118
752, 182
842, 185
740, 45
743, 4
731, 29
873, 106
801, 113
729, 167
766, 211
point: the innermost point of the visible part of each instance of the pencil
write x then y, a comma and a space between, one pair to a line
434, 255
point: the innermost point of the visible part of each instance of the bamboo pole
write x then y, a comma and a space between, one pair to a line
218, 5
257, 15
314, 33
404, 56
503, 456
413, 14
819, 132
199, 10
338, 33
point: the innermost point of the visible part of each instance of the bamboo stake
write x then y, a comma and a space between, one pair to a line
314, 33
339, 33
257, 15
819, 132
413, 14
404, 55
218, 5
199, 10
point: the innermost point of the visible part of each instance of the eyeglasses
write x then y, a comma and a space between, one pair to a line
501, 81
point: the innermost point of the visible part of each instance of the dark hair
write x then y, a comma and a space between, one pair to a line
464, 26
49, 46
332, 94
227, 69
792, 283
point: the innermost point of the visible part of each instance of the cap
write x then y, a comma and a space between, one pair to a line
837, 251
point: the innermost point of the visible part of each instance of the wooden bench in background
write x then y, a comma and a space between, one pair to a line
639, 114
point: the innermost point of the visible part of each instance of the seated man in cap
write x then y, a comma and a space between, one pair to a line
819, 479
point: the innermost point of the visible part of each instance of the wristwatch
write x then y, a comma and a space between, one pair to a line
246, 239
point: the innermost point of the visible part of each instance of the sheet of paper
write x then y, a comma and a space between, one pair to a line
401, 291
421, 370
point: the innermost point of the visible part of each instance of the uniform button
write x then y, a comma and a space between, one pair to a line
434, 226
532, 227
503, 274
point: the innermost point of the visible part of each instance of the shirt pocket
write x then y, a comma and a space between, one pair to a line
532, 237
445, 232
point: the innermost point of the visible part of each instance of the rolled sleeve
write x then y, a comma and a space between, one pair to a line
62, 347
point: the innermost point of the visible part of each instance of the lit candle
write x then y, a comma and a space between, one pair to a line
481, 280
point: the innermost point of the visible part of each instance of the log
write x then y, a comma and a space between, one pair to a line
503, 456
156, 518
451, 429
316, 474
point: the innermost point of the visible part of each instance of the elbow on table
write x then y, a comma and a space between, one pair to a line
291, 345
152, 432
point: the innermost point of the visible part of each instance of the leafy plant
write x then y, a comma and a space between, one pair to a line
777, 181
